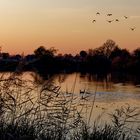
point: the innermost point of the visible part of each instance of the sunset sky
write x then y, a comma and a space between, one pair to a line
67, 24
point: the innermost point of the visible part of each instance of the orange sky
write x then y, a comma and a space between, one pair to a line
67, 24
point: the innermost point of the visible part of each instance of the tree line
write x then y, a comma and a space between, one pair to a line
108, 58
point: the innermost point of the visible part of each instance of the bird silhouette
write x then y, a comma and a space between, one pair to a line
132, 28
117, 20
109, 21
82, 91
93, 21
97, 13
125, 17
109, 14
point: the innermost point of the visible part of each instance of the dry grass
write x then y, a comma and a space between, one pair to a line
39, 110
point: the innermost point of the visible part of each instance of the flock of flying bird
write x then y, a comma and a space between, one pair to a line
116, 20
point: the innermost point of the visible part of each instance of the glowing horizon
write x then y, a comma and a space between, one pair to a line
67, 25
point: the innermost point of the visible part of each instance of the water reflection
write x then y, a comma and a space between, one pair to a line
106, 86
65, 99
109, 89
110, 94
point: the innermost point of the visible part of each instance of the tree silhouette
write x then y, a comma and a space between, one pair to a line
41, 51
136, 53
107, 48
83, 54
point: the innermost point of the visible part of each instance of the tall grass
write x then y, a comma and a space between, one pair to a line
40, 110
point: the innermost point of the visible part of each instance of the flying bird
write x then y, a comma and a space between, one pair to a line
109, 14
97, 13
93, 21
125, 17
109, 21
132, 28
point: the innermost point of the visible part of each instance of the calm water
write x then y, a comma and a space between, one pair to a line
108, 95
105, 94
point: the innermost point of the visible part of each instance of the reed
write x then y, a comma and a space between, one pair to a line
40, 110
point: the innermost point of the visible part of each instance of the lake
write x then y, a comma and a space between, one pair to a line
108, 95
94, 100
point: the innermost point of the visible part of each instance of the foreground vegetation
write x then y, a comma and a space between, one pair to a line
37, 109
